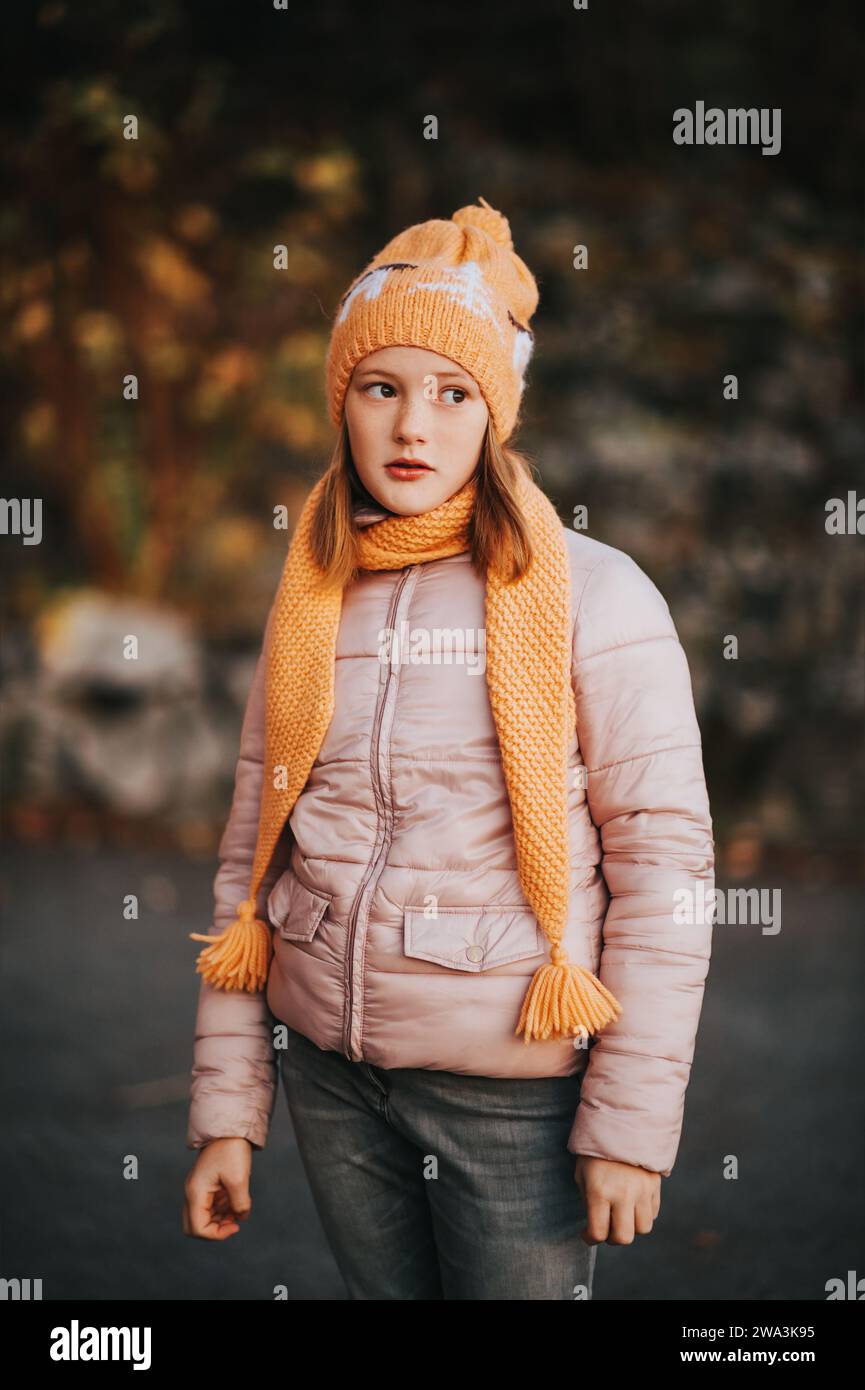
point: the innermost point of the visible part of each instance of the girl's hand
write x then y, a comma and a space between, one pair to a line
217, 1190
620, 1199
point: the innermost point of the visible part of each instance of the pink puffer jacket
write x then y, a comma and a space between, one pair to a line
406, 807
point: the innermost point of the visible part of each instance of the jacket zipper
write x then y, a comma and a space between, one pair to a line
376, 863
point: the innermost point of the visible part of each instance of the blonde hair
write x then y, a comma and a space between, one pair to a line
499, 534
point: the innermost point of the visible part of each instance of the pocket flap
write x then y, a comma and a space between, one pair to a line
295, 910
473, 938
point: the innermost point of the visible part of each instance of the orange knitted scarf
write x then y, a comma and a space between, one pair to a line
528, 646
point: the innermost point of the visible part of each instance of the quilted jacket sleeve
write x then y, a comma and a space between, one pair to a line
233, 1088
646, 789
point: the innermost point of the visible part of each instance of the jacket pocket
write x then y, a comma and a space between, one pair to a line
295, 910
473, 938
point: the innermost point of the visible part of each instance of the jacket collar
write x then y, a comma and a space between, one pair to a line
366, 515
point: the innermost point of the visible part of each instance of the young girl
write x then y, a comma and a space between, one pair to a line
460, 889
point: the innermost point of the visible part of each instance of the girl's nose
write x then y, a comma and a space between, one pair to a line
411, 418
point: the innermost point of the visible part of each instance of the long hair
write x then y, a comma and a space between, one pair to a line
498, 532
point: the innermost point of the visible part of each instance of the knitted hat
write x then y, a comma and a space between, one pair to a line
456, 287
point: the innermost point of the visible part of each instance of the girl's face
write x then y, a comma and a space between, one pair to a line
410, 403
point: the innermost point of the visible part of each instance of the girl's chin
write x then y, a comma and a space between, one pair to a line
403, 490
405, 506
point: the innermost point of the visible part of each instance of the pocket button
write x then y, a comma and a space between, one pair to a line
475, 953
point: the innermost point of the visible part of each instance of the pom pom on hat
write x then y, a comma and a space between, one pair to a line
488, 219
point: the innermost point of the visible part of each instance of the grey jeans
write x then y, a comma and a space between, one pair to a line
431, 1184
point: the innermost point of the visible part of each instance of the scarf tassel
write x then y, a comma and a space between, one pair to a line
240, 957
565, 1000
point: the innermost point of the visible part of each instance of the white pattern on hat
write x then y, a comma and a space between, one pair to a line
467, 285
370, 286
523, 347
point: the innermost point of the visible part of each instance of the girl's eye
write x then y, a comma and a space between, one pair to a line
459, 391
386, 384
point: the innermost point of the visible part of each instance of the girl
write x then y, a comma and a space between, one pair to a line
460, 887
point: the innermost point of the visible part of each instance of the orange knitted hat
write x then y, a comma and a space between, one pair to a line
456, 287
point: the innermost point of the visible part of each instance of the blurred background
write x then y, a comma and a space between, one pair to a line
153, 258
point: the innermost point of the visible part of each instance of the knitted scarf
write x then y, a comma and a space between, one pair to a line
528, 652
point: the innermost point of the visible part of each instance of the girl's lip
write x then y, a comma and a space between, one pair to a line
409, 467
